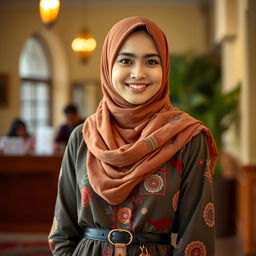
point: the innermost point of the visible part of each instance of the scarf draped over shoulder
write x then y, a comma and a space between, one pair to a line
128, 142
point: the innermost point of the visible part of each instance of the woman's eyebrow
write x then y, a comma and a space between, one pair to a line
129, 54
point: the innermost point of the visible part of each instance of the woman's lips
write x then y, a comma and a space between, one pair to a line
137, 87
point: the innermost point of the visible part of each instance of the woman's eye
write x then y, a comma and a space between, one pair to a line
125, 61
152, 62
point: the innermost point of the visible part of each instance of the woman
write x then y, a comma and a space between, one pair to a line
19, 129
138, 164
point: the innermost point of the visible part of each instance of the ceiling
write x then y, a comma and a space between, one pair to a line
77, 3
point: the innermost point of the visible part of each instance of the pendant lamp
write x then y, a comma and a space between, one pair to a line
84, 44
49, 10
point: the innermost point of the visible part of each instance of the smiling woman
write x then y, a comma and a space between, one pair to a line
138, 169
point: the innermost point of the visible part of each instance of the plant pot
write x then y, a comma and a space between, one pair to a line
225, 206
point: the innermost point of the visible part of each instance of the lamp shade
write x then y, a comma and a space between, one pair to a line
84, 44
49, 10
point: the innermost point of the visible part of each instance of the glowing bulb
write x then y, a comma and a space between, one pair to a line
80, 44
49, 10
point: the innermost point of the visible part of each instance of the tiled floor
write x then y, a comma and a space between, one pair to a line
227, 246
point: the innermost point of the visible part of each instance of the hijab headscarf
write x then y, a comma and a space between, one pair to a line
128, 142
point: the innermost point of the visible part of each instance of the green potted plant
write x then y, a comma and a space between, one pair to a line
195, 86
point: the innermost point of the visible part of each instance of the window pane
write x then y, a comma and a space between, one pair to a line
33, 60
42, 113
35, 94
42, 91
26, 91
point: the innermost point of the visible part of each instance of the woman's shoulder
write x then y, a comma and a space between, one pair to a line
196, 145
76, 136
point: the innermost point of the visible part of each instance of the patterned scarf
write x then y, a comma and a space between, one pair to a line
128, 142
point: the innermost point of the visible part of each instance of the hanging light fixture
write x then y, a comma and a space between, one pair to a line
84, 44
49, 10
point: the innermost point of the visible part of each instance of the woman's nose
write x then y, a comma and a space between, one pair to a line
138, 72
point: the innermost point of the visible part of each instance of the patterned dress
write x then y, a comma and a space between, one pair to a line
177, 199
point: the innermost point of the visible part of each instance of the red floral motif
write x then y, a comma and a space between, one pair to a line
207, 172
107, 251
209, 215
177, 164
200, 162
195, 248
124, 215
175, 200
161, 224
86, 196
51, 245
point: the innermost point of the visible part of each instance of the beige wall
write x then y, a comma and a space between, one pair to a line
185, 27
237, 39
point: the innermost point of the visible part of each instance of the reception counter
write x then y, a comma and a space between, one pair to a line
28, 188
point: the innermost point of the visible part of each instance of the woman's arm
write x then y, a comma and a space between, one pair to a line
66, 233
194, 220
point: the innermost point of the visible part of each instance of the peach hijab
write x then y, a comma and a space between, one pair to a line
128, 142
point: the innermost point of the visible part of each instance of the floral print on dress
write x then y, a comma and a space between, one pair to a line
209, 215
84, 179
162, 225
124, 215
144, 211
154, 184
86, 196
177, 164
107, 251
175, 201
195, 248
207, 172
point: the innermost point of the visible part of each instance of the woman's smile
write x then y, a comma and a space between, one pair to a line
137, 87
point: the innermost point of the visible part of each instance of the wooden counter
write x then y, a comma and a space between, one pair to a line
28, 188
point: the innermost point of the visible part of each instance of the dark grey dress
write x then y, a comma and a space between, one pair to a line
177, 198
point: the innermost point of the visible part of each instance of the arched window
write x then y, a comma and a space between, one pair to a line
35, 74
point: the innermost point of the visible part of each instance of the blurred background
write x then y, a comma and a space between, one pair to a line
43, 70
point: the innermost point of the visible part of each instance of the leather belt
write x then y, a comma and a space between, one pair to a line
123, 236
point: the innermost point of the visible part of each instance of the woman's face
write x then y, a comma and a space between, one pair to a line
137, 71
21, 131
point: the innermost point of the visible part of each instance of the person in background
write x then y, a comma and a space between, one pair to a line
72, 120
18, 128
138, 170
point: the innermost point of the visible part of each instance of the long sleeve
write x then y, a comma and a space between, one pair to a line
194, 220
66, 233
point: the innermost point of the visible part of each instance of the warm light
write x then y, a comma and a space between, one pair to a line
49, 10
81, 44
84, 44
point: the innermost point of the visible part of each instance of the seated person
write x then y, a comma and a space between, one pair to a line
72, 120
18, 128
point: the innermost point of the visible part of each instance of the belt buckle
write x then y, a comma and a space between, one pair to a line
120, 230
